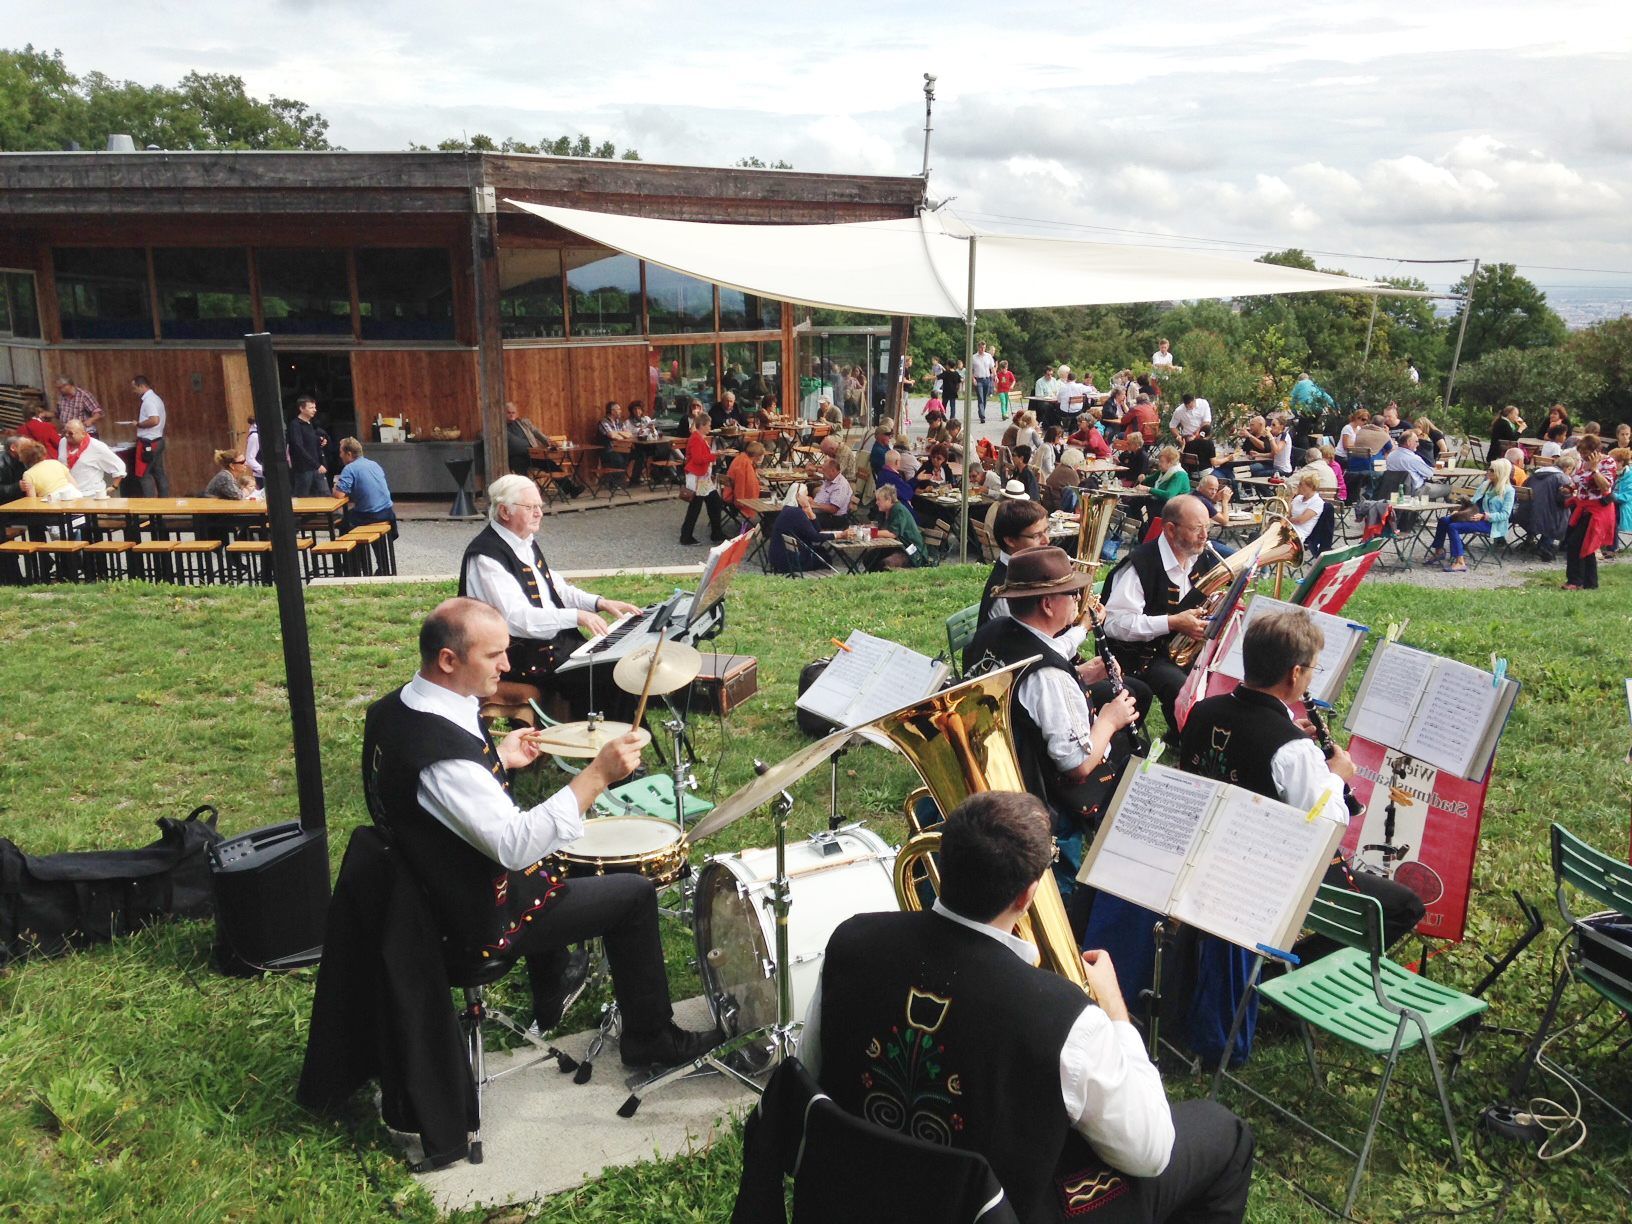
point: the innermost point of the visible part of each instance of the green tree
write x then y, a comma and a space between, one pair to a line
561, 146
1529, 377
1605, 349
753, 163
1507, 311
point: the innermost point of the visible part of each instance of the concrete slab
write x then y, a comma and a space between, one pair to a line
544, 1134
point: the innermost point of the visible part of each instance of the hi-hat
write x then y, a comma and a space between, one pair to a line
583, 739
677, 666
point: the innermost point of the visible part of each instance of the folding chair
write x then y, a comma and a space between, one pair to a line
1359, 996
960, 631
651, 796
988, 548
803, 554
937, 540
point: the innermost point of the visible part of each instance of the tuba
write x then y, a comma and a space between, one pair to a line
960, 744
1093, 526
1278, 545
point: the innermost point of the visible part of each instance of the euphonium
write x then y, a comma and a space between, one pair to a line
1093, 526
1279, 544
960, 743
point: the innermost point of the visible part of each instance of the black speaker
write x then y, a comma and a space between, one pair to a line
271, 898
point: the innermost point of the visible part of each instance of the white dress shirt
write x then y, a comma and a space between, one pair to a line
1206, 409
1302, 777
470, 801
94, 470
982, 365
151, 406
1113, 1094
1186, 422
488, 581
1125, 617
1159, 358
1058, 706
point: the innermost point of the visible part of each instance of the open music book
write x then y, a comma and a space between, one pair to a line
1343, 641
1212, 855
1434, 709
871, 678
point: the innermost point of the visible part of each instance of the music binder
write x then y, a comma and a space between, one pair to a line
870, 677
1343, 641
1217, 857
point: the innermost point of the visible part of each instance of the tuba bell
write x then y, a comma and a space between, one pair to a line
1094, 519
1278, 545
960, 744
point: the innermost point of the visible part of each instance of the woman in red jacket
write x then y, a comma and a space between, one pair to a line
700, 482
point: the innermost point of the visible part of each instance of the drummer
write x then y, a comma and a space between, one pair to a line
440, 788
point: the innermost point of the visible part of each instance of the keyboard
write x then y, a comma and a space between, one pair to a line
632, 631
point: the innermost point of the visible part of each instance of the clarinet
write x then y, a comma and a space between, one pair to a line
1113, 672
1323, 737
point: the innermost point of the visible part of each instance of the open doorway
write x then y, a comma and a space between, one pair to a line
326, 376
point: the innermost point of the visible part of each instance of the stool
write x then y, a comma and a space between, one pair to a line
66, 569
151, 561
459, 470
335, 558
197, 561
240, 567
106, 560
380, 535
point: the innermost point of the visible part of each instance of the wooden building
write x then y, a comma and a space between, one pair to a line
396, 284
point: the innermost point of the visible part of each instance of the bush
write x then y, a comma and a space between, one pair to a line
1530, 378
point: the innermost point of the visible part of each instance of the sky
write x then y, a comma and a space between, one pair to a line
1368, 132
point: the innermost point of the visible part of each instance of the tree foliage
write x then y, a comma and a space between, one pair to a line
1507, 311
1528, 377
43, 105
1606, 349
753, 163
561, 146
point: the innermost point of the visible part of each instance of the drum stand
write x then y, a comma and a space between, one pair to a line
781, 1034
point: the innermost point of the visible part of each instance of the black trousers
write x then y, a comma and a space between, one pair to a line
1582, 571
1165, 679
622, 911
1402, 909
1206, 1181
694, 507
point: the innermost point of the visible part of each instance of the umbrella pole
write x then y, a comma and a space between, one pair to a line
968, 399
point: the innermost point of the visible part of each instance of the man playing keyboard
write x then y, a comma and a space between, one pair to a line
504, 567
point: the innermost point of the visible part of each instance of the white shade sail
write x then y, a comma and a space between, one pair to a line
920, 265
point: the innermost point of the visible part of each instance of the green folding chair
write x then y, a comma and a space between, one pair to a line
960, 631
653, 796
1358, 995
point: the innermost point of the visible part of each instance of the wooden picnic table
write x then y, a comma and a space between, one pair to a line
34, 511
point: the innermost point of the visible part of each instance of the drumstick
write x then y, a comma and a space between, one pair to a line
651, 670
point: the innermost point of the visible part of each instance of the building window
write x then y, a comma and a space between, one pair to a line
102, 293
19, 308
203, 292
530, 289
677, 303
304, 291
751, 368
741, 311
605, 293
685, 369
405, 293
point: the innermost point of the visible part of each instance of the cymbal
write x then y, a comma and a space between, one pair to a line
765, 786
677, 666
580, 739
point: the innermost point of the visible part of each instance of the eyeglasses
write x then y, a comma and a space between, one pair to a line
240, 459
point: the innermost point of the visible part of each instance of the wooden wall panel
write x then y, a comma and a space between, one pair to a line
189, 382
601, 373
563, 390
539, 382
429, 387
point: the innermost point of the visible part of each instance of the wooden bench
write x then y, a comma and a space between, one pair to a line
336, 558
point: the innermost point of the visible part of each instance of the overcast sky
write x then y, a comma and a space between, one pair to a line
1433, 130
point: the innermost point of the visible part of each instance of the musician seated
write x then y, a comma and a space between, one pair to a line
1016, 525
504, 567
1151, 595
1053, 1088
440, 788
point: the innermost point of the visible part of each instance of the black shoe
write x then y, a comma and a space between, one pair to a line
551, 1004
690, 540
717, 537
671, 1046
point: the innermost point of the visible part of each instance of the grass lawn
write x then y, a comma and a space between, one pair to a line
137, 1084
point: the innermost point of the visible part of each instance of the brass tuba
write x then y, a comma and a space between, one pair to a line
960, 743
1093, 526
1278, 545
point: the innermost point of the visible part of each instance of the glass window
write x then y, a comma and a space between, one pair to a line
751, 368
19, 309
102, 293
304, 291
676, 302
605, 293
405, 293
741, 311
685, 369
203, 292
530, 294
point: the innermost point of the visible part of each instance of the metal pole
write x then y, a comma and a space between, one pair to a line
280, 513
1370, 324
1467, 309
929, 105
968, 400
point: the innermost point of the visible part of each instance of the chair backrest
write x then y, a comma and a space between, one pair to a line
1391, 483
1605, 880
988, 549
1349, 918
960, 631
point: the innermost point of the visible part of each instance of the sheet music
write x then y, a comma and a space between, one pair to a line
1143, 849
1454, 716
1250, 879
1394, 684
1332, 665
871, 678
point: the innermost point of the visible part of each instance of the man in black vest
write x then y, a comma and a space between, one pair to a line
1247, 737
504, 567
439, 788
1151, 595
938, 1024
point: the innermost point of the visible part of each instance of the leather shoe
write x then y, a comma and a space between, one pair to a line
668, 1047
551, 1003
689, 540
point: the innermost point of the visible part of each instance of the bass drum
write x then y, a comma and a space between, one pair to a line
831, 876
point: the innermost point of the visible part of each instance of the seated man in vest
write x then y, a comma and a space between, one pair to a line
504, 567
1054, 1091
1151, 595
439, 788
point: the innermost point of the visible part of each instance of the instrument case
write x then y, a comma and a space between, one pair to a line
726, 681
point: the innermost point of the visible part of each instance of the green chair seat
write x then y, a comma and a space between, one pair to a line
960, 631
652, 795
1335, 994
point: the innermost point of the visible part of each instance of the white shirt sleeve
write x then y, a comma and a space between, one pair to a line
1057, 704
470, 801
1302, 777
488, 581
1114, 1096
1125, 617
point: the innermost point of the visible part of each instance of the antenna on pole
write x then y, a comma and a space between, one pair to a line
929, 105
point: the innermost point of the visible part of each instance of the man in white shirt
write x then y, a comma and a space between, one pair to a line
1162, 359
1071, 399
834, 497
1186, 421
1419, 473
150, 440
90, 461
440, 790
983, 369
504, 568
1053, 1088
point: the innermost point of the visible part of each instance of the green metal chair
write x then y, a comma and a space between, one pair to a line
653, 796
1601, 964
1361, 997
960, 631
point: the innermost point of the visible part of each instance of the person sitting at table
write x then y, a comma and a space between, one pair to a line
954, 441
742, 480
1128, 452
95, 467
984, 481
896, 523
1436, 447
41, 428
1215, 496
1060, 487
612, 429
883, 432
1419, 476
1345, 436
1257, 448
933, 471
11, 466
1306, 506
798, 521
362, 482
700, 459
1047, 453
1506, 428
1314, 464
1113, 412
1087, 436
1168, 480
44, 477
1020, 470
234, 481
1144, 417
889, 477
726, 414
1515, 456
1186, 420
1280, 439
909, 461
833, 498
1486, 513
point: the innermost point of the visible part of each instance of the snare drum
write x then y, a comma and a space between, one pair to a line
831, 876
641, 844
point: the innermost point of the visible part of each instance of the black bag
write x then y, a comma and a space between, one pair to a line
56, 903
813, 725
